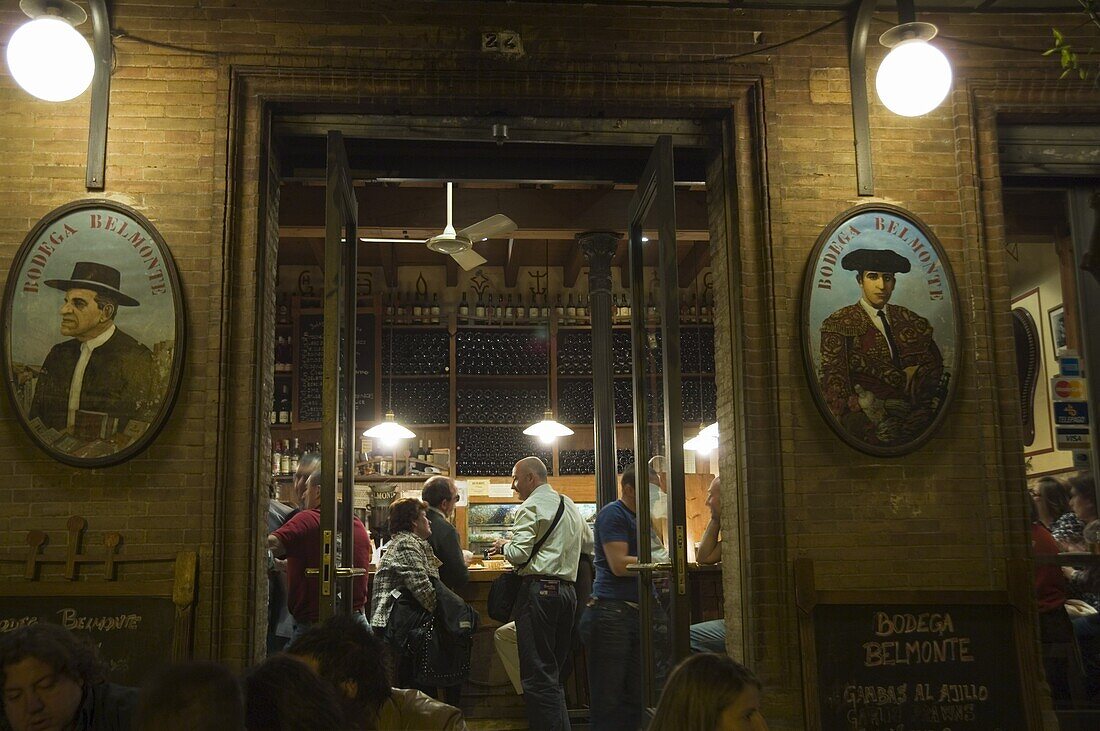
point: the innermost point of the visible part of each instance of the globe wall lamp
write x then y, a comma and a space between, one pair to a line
51, 60
912, 80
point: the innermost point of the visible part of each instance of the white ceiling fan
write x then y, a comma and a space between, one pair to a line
459, 245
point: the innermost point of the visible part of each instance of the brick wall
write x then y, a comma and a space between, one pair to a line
185, 144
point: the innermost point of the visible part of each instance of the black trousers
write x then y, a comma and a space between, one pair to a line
544, 631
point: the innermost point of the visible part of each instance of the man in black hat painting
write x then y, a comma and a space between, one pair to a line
93, 384
880, 366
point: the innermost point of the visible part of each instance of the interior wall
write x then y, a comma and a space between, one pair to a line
1034, 276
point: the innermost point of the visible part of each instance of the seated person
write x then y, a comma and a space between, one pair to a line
710, 636
54, 680
347, 655
284, 694
190, 696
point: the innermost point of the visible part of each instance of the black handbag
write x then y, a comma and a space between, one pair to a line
505, 588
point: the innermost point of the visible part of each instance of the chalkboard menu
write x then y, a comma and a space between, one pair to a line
895, 666
311, 357
134, 633
904, 660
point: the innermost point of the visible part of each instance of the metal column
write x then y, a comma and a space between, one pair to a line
599, 248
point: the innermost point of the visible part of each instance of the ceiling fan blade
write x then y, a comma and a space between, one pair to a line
384, 240
489, 228
469, 259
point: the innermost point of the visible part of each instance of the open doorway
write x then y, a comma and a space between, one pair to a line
467, 358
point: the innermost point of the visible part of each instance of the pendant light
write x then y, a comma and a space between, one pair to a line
548, 429
389, 431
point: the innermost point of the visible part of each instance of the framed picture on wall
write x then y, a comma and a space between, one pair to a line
93, 336
1056, 316
880, 329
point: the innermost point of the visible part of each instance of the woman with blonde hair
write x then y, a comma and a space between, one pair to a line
710, 692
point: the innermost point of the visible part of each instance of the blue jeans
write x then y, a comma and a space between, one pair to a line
709, 636
544, 631
609, 630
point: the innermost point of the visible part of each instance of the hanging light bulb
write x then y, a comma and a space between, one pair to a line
388, 431
548, 429
48, 56
915, 76
701, 444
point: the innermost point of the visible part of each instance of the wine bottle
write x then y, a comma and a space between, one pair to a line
558, 309
463, 307
479, 309
428, 457
276, 458
284, 460
435, 309
509, 311
571, 309
284, 404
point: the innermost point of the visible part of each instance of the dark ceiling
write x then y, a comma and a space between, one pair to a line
950, 6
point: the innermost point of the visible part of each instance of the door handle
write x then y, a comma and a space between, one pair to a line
642, 567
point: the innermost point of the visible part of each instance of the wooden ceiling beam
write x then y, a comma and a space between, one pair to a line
692, 263
452, 272
389, 264
572, 270
511, 265
420, 234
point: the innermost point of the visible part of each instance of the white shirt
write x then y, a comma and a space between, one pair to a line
561, 552
77, 383
872, 312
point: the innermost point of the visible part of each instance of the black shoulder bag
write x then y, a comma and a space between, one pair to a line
505, 589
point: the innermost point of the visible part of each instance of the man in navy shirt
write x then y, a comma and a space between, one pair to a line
609, 627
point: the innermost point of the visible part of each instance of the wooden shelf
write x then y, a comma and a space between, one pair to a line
510, 377
418, 377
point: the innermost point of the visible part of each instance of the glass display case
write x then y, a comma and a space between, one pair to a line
488, 521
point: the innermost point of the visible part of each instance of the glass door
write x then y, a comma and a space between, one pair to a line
664, 604
338, 385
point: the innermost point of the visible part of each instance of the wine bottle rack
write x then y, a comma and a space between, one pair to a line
583, 461
495, 450
417, 353
421, 402
478, 384
500, 405
493, 352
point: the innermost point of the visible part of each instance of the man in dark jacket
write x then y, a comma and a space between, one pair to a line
54, 680
100, 372
441, 495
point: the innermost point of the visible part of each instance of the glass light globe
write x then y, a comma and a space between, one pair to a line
50, 59
913, 78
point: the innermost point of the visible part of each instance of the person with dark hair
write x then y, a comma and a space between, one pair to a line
54, 681
441, 495
1051, 499
408, 561
299, 541
285, 694
1085, 584
609, 626
710, 692
280, 623
880, 365
348, 656
191, 696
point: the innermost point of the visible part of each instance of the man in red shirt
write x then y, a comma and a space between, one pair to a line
299, 540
